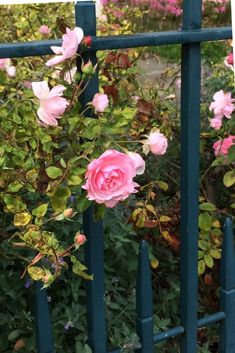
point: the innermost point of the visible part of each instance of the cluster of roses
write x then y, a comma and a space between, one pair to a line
222, 106
109, 179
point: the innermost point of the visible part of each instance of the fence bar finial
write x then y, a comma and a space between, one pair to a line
144, 301
227, 293
94, 248
43, 331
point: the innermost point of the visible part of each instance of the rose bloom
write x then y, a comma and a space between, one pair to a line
44, 30
70, 43
216, 123
156, 143
5, 63
229, 59
52, 105
109, 179
222, 147
139, 162
11, 71
100, 102
222, 105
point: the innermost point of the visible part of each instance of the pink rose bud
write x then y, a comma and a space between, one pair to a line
79, 239
52, 105
156, 143
88, 68
87, 41
139, 162
68, 213
216, 123
11, 71
109, 178
100, 102
70, 42
44, 30
230, 58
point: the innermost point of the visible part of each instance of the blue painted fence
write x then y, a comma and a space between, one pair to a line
190, 37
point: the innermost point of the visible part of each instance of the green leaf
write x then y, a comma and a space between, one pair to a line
201, 267
229, 178
83, 203
208, 261
203, 244
40, 211
215, 253
60, 198
207, 206
15, 334
14, 187
205, 221
54, 172
162, 185
74, 180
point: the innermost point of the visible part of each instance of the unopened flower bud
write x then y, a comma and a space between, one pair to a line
68, 213
79, 239
88, 68
87, 41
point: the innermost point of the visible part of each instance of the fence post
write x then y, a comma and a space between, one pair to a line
190, 136
94, 248
42, 320
227, 292
144, 301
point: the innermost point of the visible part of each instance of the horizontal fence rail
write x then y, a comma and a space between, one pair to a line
38, 48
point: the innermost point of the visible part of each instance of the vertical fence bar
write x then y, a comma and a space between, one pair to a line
42, 320
144, 301
94, 250
227, 292
190, 135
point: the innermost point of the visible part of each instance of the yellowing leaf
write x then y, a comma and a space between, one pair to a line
36, 273
229, 179
154, 263
54, 172
40, 211
164, 219
22, 219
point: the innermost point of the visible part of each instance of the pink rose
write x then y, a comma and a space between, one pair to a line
52, 105
216, 123
139, 162
222, 147
109, 179
44, 30
70, 43
156, 143
222, 105
100, 102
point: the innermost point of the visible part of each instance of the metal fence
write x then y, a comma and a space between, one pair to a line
190, 37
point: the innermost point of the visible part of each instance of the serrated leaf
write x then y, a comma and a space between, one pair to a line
54, 172
215, 253
205, 221
229, 179
209, 261
201, 267
22, 219
40, 211
207, 206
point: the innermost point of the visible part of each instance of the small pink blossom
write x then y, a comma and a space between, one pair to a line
109, 178
52, 105
100, 102
139, 162
11, 71
27, 84
222, 147
69, 76
44, 30
222, 105
5, 63
156, 143
70, 43
216, 123
228, 61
